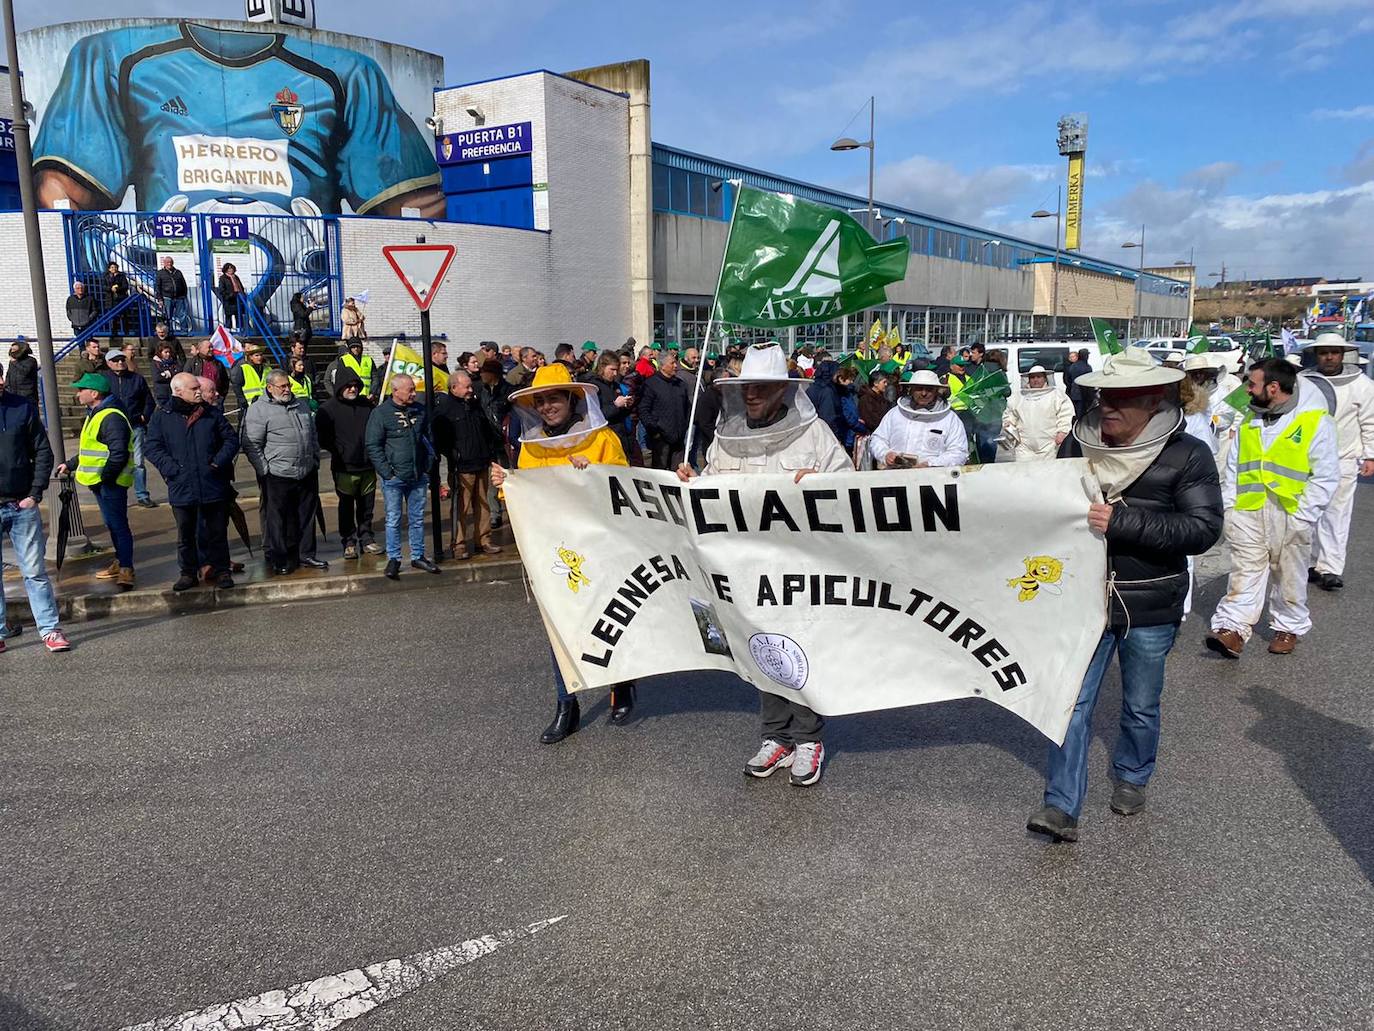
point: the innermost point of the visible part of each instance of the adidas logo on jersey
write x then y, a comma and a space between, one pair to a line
175, 106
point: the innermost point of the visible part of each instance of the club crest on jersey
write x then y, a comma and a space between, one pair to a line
287, 111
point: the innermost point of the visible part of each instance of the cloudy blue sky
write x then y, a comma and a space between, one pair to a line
1241, 128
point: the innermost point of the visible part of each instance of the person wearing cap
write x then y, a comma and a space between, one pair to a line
1172, 359
922, 430
249, 377
105, 464
401, 449
131, 390
1279, 479
361, 365
341, 424
769, 425
954, 383
561, 423
25, 466
1156, 502
1336, 367
1038, 418
21, 377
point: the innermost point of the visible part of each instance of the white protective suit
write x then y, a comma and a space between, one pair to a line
1034, 417
934, 435
1269, 542
799, 440
1355, 440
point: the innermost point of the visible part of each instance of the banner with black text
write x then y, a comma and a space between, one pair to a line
847, 591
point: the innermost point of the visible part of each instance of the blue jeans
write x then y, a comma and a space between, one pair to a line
114, 510
178, 317
24, 527
1143, 652
411, 494
140, 473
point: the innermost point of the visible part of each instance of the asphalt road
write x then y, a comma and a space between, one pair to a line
197, 810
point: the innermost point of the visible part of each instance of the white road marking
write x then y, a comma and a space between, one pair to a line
329, 1001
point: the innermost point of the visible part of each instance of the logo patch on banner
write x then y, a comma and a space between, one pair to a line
287, 111
569, 564
1042, 572
781, 659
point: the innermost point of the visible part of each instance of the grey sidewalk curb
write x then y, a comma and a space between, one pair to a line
164, 602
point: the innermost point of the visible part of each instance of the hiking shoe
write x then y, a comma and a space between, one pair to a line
1127, 799
807, 761
185, 582
125, 580
772, 755
1225, 642
54, 642
147, 503
110, 572
1054, 823
1330, 582
1283, 643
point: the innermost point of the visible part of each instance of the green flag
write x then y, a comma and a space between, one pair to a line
792, 263
985, 395
1107, 343
1199, 345
1239, 399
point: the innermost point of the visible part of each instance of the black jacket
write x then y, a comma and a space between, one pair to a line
617, 417
300, 318
116, 289
463, 434
342, 428
1071, 374
398, 443
25, 456
162, 378
663, 407
81, 311
1171, 511
134, 396
170, 283
226, 288
495, 401
21, 378
195, 458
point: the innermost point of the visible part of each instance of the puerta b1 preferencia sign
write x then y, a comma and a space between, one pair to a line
484, 143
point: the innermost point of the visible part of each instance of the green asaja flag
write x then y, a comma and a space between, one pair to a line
792, 263
1199, 345
1239, 399
1107, 342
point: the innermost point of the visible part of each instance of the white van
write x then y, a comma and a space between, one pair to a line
1054, 355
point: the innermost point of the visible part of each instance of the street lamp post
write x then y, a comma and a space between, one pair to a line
845, 143
1042, 213
1141, 245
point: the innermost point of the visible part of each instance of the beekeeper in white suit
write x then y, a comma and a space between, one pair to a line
922, 430
1279, 480
1337, 367
1038, 418
767, 424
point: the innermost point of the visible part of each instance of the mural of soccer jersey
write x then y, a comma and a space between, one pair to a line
188, 115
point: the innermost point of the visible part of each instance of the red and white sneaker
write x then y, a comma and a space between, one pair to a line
57, 642
772, 755
807, 761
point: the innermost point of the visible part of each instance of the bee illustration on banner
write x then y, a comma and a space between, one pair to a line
569, 564
1043, 572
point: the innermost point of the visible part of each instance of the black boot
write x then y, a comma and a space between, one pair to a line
622, 703
565, 722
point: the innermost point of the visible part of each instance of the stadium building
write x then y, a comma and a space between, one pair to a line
297, 154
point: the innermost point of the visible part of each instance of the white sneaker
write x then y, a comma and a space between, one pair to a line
772, 755
807, 761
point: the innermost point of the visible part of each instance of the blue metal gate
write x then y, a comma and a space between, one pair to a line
276, 258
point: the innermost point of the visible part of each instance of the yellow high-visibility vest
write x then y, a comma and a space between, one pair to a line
955, 384
301, 389
1282, 469
363, 369
254, 381
93, 455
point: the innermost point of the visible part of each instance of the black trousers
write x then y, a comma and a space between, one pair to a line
663, 453
288, 518
202, 535
355, 518
787, 721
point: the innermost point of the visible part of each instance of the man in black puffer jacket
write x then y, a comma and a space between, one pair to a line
341, 424
1161, 503
21, 378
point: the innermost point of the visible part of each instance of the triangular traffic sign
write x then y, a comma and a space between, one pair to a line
421, 268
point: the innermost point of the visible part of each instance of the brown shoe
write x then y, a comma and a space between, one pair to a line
1225, 642
125, 579
1283, 643
109, 572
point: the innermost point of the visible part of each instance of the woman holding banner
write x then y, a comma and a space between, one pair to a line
561, 423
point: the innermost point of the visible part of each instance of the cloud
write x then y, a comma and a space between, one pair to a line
1363, 111
1361, 166
982, 197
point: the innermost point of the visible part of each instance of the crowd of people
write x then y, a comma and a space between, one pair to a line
1177, 462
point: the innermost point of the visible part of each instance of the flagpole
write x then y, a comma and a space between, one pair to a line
710, 325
